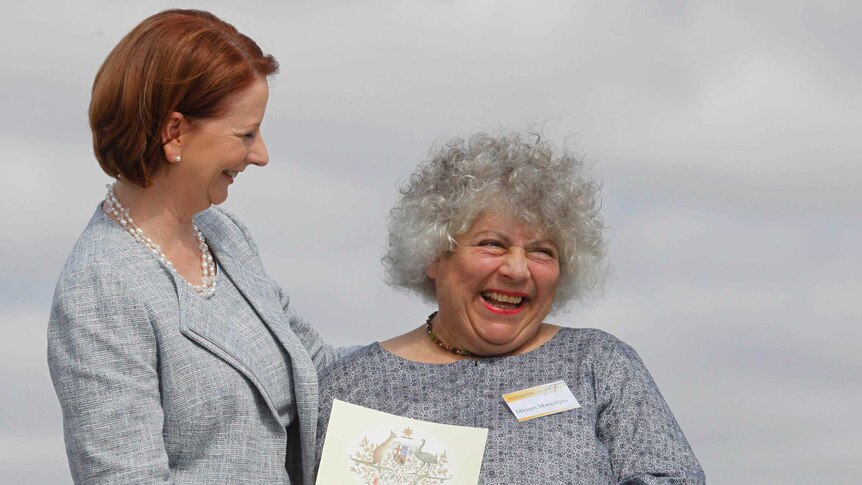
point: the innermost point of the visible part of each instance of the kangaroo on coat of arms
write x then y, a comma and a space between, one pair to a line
399, 460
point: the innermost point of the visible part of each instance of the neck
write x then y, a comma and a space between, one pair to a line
159, 214
177, 254
416, 346
429, 331
461, 346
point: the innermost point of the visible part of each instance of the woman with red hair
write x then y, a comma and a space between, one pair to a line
173, 354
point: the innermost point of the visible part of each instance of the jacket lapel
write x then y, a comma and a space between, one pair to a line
220, 338
265, 302
263, 298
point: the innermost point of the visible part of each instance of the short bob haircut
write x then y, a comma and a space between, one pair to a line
188, 61
514, 174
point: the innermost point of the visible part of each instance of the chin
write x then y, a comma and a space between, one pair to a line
217, 199
499, 335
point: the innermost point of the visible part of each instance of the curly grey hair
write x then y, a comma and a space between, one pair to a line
515, 173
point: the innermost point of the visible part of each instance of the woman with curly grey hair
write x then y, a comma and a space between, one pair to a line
498, 232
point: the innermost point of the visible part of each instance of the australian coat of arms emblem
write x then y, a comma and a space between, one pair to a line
399, 460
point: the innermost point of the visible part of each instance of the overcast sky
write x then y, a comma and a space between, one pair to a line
727, 134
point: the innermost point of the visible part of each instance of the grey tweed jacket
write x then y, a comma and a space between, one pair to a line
153, 393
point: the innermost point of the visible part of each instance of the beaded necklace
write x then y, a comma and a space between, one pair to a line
121, 214
434, 338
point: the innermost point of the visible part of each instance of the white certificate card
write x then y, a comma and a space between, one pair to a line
369, 447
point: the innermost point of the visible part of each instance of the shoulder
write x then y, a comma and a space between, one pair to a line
219, 223
106, 292
591, 341
355, 365
613, 363
108, 271
223, 230
608, 357
103, 248
221, 220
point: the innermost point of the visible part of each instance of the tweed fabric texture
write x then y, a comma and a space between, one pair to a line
270, 358
624, 431
158, 387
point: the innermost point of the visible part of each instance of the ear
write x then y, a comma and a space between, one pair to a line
175, 126
431, 269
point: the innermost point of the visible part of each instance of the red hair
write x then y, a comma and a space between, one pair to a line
188, 61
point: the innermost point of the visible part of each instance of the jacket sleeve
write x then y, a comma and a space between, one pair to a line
322, 354
103, 360
645, 443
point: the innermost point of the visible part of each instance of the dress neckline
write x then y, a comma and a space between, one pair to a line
541, 349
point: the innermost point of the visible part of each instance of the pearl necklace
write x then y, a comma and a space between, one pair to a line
113, 208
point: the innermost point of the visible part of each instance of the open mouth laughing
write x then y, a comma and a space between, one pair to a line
502, 303
231, 174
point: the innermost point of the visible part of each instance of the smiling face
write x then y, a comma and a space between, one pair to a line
496, 288
215, 150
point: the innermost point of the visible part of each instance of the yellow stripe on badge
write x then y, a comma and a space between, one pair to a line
533, 391
543, 400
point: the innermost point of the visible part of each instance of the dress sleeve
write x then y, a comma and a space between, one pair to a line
645, 443
103, 360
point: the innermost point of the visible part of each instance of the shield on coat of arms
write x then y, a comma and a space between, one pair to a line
402, 459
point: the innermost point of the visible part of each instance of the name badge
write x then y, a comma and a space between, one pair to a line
539, 401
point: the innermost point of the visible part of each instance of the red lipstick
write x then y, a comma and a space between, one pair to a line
501, 311
504, 311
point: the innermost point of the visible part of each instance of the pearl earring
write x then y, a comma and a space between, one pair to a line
178, 158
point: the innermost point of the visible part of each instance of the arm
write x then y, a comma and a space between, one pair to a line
321, 353
645, 443
325, 401
103, 359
